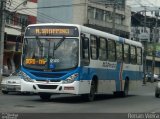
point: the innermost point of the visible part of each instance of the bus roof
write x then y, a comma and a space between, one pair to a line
109, 36
92, 31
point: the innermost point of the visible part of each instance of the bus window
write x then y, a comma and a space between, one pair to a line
133, 55
126, 53
85, 50
111, 50
139, 56
102, 49
119, 52
94, 47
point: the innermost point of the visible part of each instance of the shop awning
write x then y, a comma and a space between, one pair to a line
12, 31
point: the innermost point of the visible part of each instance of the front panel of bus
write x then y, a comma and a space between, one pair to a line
50, 59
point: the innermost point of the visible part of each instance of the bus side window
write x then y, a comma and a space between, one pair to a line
94, 47
133, 55
85, 51
139, 56
126, 53
103, 49
111, 50
119, 52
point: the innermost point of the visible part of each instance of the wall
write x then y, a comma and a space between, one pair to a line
80, 12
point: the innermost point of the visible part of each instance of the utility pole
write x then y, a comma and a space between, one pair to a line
114, 16
154, 43
145, 49
2, 28
114, 6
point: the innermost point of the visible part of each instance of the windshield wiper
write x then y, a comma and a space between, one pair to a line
40, 45
59, 43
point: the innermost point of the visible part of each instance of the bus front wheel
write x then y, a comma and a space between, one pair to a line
45, 96
91, 95
4, 92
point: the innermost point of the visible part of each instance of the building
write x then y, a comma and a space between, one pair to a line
17, 16
144, 30
141, 34
104, 15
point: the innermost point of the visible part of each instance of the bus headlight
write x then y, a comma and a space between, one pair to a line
26, 77
71, 79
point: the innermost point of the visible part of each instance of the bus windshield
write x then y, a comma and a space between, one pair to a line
50, 53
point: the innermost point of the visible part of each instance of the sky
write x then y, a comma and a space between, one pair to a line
137, 5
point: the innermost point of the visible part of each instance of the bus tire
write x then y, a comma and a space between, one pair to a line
156, 94
90, 97
45, 96
4, 92
126, 88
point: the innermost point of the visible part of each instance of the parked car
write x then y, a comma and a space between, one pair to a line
156, 77
11, 83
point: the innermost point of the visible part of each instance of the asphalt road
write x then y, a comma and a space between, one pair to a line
141, 100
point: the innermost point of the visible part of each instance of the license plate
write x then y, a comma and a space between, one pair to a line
11, 88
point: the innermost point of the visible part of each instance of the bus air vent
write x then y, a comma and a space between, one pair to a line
47, 86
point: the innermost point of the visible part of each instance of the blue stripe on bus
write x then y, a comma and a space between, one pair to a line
86, 73
121, 40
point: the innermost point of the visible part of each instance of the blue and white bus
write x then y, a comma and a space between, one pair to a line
74, 59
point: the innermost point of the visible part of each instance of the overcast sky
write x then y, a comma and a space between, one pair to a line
139, 5
152, 3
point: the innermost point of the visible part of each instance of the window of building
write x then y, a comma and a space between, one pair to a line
91, 12
16, 19
108, 16
9, 18
99, 14
94, 47
118, 19
23, 19
111, 50
103, 49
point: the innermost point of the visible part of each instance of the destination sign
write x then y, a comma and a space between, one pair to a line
69, 31
34, 61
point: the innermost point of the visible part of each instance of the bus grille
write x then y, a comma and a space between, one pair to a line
47, 86
48, 75
43, 80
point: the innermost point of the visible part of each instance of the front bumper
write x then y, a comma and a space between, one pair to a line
77, 87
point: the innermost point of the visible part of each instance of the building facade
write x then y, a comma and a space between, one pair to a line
149, 36
17, 17
141, 34
99, 14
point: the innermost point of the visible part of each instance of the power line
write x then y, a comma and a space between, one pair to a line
57, 6
40, 13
